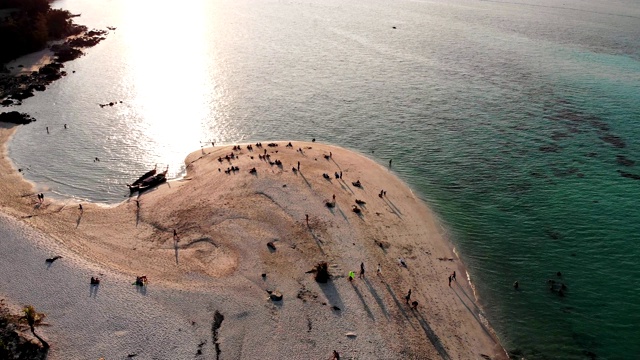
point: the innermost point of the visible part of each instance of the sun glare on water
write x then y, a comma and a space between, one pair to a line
170, 86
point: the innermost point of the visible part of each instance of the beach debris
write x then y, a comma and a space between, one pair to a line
336, 308
50, 260
351, 334
402, 262
275, 295
322, 272
132, 355
271, 246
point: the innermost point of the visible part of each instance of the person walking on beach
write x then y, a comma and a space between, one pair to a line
298, 165
65, 126
453, 276
340, 175
390, 160
307, 215
361, 270
336, 356
408, 297
175, 236
47, 129
379, 270
80, 207
450, 280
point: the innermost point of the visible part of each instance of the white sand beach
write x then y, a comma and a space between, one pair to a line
224, 222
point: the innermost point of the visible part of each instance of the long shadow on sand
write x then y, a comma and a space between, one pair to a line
375, 295
435, 340
93, 290
366, 307
317, 240
345, 186
475, 316
304, 178
331, 293
393, 207
79, 219
400, 306
343, 215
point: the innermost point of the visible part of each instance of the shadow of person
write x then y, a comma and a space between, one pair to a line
79, 219
142, 289
93, 290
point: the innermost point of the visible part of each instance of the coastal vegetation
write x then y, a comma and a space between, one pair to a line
13, 344
27, 25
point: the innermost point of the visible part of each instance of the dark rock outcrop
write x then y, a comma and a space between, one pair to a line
15, 117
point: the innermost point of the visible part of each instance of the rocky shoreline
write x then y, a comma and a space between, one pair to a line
14, 89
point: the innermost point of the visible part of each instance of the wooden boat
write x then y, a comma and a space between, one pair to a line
143, 177
149, 182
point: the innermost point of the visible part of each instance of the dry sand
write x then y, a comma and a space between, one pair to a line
224, 222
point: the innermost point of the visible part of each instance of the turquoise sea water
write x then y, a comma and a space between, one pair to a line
511, 119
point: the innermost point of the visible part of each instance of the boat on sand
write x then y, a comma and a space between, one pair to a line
149, 182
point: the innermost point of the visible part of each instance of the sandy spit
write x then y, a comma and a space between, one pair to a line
221, 263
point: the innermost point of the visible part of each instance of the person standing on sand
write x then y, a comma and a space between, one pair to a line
408, 297
298, 165
361, 270
453, 276
379, 270
47, 129
307, 215
336, 356
80, 207
449, 280
340, 175
352, 275
390, 160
